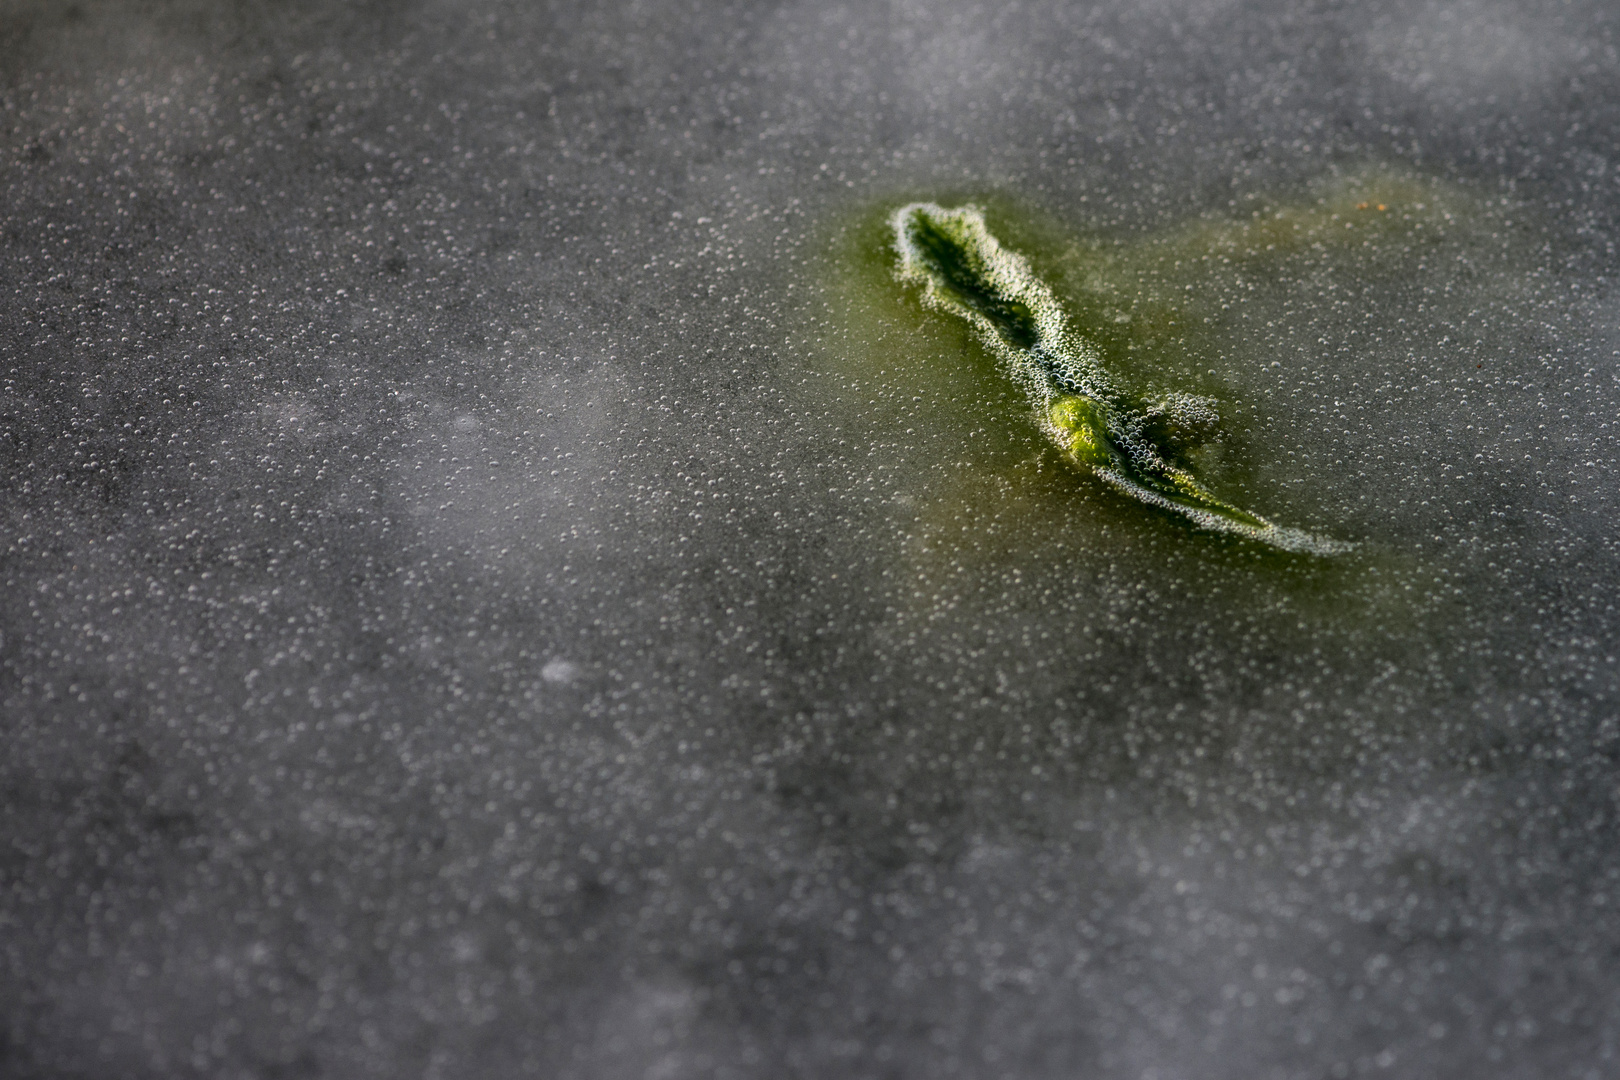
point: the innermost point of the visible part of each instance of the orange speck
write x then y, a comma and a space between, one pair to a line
1381, 206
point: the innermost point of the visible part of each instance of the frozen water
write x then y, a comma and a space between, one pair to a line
499, 578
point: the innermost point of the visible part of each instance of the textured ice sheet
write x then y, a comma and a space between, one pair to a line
491, 588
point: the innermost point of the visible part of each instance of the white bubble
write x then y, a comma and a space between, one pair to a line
559, 672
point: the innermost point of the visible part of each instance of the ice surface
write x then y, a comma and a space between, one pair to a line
500, 580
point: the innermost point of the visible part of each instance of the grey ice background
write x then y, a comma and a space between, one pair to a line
422, 651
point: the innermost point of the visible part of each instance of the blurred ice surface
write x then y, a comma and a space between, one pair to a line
460, 619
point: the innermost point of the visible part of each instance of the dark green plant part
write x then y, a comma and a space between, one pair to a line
1139, 446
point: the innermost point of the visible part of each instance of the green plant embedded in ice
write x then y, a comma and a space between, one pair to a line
1134, 444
